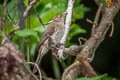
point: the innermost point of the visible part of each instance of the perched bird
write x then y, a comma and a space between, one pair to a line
55, 31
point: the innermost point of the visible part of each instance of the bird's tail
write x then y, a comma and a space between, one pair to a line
42, 51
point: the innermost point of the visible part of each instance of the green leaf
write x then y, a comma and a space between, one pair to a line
26, 3
104, 3
12, 10
75, 29
94, 78
39, 29
79, 12
34, 22
12, 4
26, 33
1, 35
33, 48
109, 78
77, 2
56, 68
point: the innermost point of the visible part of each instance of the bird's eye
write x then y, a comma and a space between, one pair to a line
58, 15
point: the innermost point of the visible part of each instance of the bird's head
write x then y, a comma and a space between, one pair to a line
60, 17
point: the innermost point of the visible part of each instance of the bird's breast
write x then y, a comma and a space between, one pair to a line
56, 37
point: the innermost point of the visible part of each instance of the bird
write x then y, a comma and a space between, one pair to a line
54, 31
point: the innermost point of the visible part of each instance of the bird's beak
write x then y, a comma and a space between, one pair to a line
65, 13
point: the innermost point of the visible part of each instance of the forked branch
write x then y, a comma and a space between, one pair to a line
94, 41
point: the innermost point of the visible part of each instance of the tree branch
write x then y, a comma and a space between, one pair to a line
73, 50
27, 12
72, 71
67, 26
94, 41
30, 6
97, 18
100, 31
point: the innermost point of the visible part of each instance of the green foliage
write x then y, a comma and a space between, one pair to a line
0, 10
94, 78
33, 30
104, 2
56, 68
100, 77
26, 3
79, 12
26, 33
47, 9
74, 30
12, 11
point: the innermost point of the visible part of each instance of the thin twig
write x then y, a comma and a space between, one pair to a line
96, 18
112, 30
97, 2
48, 22
40, 20
90, 21
81, 38
37, 69
27, 11
30, 6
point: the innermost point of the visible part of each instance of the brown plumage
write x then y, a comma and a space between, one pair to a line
55, 30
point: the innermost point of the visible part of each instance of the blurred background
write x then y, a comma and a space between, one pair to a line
107, 55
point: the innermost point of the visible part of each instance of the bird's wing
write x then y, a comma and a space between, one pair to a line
42, 50
49, 31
